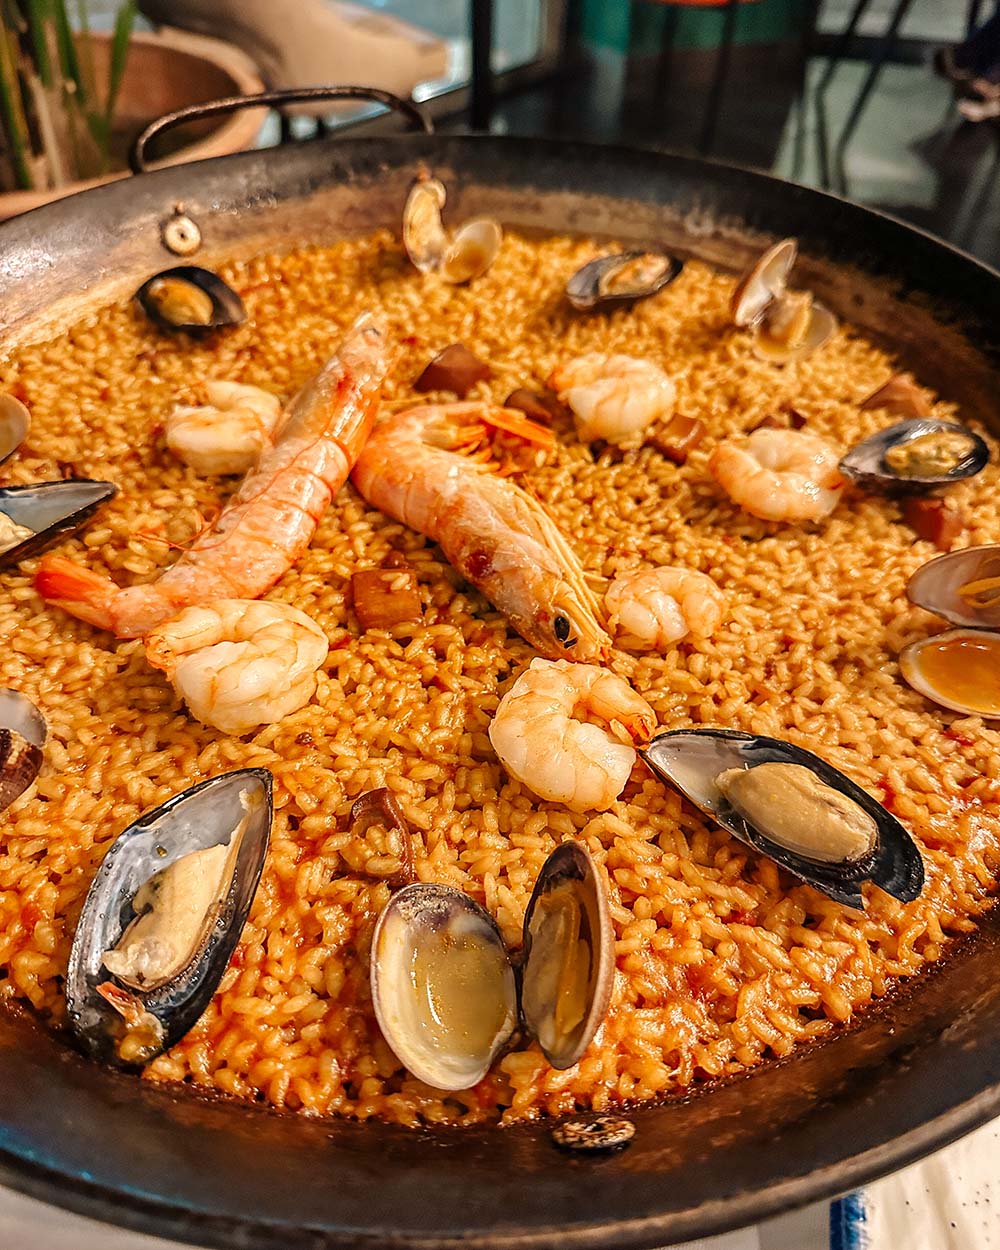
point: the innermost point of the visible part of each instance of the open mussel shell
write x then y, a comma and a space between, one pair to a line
621, 279
442, 985
893, 460
15, 422
22, 736
234, 808
52, 511
191, 299
569, 955
958, 669
962, 586
692, 760
763, 282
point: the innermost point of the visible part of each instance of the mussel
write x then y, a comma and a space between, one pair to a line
22, 736
621, 278
960, 668
457, 257
191, 299
33, 518
163, 916
787, 325
15, 422
793, 807
916, 455
447, 996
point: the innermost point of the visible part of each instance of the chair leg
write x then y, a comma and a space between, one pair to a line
799, 147
972, 19
836, 56
481, 86
721, 73
867, 87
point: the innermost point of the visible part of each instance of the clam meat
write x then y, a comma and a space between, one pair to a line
455, 257
786, 325
916, 455
15, 422
792, 806
22, 736
163, 916
33, 518
446, 995
621, 278
189, 298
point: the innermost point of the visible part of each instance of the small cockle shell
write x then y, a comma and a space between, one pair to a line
763, 282
825, 838
958, 669
621, 278
169, 969
189, 298
22, 736
457, 257
962, 586
15, 422
45, 513
787, 325
917, 455
444, 987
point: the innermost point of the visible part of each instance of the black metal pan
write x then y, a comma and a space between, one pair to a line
918, 1070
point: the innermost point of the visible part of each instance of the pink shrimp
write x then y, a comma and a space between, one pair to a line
271, 519
498, 537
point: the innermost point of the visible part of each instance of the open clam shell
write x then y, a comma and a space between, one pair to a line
443, 984
763, 282
693, 760
455, 257
791, 330
962, 586
190, 298
46, 513
958, 669
15, 422
916, 455
233, 811
621, 279
22, 736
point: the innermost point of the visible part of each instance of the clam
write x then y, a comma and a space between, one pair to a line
189, 298
793, 807
22, 737
916, 455
33, 518
960, 668
787, 325
457, 257
163, 916
15, 422
445, 991
621, 279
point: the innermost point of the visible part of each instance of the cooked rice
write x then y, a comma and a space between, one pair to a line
723, 961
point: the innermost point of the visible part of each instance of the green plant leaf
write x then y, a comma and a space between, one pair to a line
124, 21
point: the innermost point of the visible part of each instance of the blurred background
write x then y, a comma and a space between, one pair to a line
851, 95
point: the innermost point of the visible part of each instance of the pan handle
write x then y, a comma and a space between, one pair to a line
417, 118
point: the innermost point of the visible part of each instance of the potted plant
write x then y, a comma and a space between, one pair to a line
71, 100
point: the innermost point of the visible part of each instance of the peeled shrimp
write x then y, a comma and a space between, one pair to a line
542, 739
229, 433
498, 537
779, 475
270, 520
652, 608
613, 398
240, 663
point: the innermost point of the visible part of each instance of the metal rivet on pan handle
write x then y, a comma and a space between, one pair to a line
271, 99
180, 233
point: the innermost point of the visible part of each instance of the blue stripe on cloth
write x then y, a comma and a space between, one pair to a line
848, 1220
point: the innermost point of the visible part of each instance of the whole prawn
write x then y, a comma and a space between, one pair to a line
498, 537
270, 520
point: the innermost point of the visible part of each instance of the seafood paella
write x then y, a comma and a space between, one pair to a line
461, 677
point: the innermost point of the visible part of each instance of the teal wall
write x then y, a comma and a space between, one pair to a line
625, 26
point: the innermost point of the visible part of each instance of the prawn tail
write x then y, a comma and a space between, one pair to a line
77, 590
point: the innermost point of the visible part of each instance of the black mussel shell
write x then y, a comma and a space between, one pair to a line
195, 820
690, 759
621, 279
15, 422
191, 299
52, 510
22, 736
866, 462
